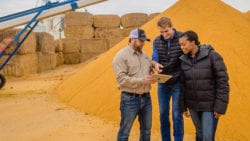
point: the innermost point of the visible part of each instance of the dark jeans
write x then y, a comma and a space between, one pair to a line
130, 107
165, 92
205, 125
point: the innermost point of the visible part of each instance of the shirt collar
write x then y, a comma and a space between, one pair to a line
172, 37
132, 51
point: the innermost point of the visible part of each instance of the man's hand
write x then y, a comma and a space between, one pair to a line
186, 114
148, 79
217, 115
157, 67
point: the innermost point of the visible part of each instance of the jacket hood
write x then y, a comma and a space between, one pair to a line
206, 46
204, 50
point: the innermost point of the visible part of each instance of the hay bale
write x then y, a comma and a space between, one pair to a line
106, 33
72, 58
71, 45
134, 19
4, 44
153, 15
46, 61
78, 19
126, 31
94, 45
59, 45
28, 46
45, 42
107, 21
114, 41
20, 65
59, 58
87, 56
82, 32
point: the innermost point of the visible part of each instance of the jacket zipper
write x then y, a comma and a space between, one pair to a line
194, 82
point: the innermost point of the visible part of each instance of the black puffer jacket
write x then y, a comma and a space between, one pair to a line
169, 57
204, 82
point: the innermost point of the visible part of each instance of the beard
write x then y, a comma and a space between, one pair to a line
137, 47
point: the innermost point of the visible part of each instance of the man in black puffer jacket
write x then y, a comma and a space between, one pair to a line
204, 85
165, 59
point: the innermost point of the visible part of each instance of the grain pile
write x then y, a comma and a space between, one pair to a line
93, 89
247, 14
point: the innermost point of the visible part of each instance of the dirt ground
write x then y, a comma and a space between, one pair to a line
31, 111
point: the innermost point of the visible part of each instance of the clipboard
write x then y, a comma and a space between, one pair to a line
161, 78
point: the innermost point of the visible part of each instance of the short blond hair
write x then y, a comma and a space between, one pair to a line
164, 22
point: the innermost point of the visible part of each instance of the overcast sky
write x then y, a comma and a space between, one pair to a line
119, 7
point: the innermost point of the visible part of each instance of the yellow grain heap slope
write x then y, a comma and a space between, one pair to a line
247, 14
93, 89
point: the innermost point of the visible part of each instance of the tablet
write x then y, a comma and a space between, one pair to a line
162, 78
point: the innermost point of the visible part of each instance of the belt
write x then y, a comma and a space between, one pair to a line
136, 94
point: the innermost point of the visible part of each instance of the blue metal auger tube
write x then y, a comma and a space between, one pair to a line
34, 10
35, 14
29, 25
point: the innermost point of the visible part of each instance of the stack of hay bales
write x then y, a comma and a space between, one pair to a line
108, 27
131, 21
86, 35
25, 59
78, 26
45, 51
89, 35
104, 29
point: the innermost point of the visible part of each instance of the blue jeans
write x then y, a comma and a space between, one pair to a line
164, 94
130, 107
205, 125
